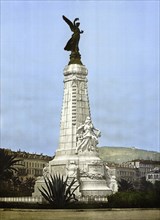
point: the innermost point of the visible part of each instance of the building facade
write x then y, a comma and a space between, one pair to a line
123, 171
136, 169
31, 164
144, 166
153, 175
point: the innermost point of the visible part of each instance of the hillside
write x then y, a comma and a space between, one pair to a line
123, 154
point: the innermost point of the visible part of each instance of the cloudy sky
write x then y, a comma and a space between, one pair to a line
119, 47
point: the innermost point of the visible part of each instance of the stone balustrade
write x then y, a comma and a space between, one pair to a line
21, 199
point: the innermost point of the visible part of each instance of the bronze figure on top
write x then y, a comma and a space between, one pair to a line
72, 44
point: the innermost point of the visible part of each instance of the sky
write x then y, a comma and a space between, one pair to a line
120, 49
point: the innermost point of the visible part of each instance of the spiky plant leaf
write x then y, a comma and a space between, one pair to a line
45, 194
57, 191
70, 192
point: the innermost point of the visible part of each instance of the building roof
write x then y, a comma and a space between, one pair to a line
23, 154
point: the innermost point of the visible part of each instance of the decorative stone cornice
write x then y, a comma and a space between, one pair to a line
75, 77
75, 69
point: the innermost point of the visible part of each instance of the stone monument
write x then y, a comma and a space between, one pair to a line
77, 154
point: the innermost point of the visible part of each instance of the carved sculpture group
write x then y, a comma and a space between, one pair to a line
87, 137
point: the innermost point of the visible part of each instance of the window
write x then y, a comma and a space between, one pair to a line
156, 176
22, 171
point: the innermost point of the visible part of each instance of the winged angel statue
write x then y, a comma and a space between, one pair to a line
72, 44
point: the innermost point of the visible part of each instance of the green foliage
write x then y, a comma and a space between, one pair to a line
145, 185
26, 186
26, 205
124, 185
134, 200
147, 196
17, 187
59, 192
127, 200
8, 182
7, 163
156, 187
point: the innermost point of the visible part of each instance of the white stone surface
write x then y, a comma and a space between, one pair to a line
75, 110
77, 153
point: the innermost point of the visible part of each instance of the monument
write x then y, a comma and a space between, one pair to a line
77, 154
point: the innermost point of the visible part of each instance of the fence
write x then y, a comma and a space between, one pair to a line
21, 199
86, 199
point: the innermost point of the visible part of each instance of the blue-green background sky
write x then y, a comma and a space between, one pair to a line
119, 47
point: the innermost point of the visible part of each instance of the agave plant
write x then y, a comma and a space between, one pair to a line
58, 192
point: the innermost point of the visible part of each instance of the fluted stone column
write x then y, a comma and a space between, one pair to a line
75, 107
75, 110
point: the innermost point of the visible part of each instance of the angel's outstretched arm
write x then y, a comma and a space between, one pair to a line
80, 128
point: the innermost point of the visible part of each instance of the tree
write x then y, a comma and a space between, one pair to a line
59, 192
157, 187
7, 163
124, 185
16, 182
29, 184
145, 185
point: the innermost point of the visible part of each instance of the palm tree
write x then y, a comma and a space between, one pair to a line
59, 192
7, 163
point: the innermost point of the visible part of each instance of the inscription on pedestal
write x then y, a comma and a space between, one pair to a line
59, 169
95, 169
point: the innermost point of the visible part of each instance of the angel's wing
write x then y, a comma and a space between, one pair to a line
69, 23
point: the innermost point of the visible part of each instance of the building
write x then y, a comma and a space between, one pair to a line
144, 166
31, 164
127, 173
135, 170
153, 175
123, 171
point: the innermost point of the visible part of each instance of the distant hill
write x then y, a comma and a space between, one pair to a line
123, 154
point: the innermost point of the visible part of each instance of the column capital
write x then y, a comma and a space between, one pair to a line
75, 69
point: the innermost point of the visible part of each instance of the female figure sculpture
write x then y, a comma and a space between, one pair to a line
87, 137
72, 44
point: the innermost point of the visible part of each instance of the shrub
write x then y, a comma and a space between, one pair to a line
134, 200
